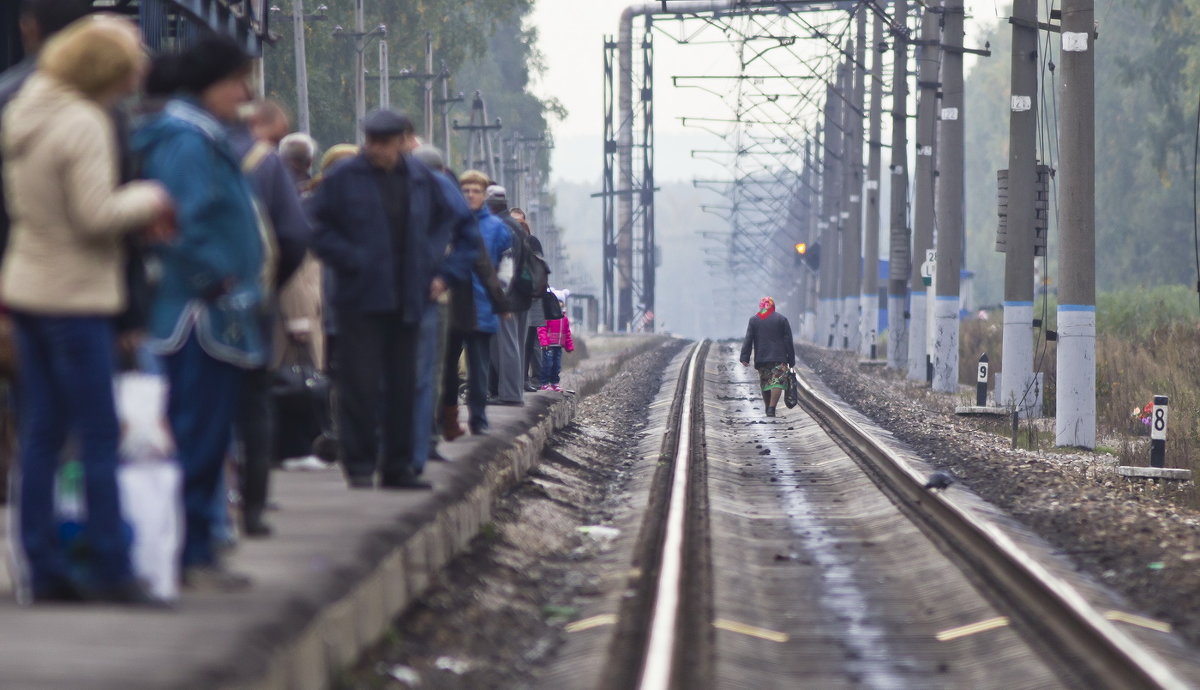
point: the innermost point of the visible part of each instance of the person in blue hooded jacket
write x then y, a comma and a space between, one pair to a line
205, 313
384, 224
496, 240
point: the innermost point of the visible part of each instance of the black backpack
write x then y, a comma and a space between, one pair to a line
520, 289
551, 309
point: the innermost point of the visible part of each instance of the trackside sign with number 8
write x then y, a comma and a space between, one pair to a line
1158, 423
983, 373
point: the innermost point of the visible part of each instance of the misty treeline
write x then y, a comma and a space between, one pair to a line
484, 44
1147, 84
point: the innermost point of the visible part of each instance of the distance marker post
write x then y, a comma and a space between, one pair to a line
1158, 449
1158, 432
981, 381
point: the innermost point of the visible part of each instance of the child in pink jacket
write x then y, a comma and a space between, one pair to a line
553, 337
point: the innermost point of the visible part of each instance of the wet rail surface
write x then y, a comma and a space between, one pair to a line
797, 567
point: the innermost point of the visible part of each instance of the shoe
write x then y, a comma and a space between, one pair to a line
308, 463
479, 429
507, 403
131, 592
63, 591
365, 481
405, 480
545, 387
770, 411
450, 427
212, 578
530, 388
254, 526
556, 388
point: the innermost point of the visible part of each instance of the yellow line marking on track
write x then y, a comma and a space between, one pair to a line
973, 628
593, 622
1140, 621
743, 629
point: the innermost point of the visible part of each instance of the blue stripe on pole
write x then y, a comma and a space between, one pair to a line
947, 298
1077, 307
914, 293
1017, 304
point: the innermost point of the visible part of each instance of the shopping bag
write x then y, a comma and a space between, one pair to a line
150, 482
791, 391
150, 505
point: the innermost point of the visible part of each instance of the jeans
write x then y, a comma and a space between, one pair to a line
201, 403
551, 364
428, 355
376, 387
66, 368
478, 347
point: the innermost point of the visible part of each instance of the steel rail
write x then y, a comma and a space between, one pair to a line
660, 651
1042, 600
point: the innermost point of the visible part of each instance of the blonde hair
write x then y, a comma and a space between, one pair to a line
94, 55
473, 177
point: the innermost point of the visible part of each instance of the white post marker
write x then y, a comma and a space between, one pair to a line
1158, 432
1158, 449
981, 382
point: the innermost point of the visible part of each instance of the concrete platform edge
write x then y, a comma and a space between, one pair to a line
345, 628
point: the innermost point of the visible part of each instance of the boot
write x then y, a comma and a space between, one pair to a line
767, 399
450, 428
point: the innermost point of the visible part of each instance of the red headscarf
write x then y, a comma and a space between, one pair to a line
766, 307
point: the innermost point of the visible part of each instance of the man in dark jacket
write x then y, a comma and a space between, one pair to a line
769, 335
383, 224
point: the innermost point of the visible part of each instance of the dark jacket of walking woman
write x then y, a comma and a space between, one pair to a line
769, 335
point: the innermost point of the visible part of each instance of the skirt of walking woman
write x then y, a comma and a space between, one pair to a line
773, 376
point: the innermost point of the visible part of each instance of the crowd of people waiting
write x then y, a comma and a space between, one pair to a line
156, 218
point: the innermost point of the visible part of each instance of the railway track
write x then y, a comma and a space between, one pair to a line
874, 581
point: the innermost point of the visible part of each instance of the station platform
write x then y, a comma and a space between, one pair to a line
339, 568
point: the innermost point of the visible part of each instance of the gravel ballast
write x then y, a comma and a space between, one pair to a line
1139, 538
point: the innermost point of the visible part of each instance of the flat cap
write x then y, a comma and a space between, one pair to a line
386, 123
496, 192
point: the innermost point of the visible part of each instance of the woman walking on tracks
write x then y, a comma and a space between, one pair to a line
770, 336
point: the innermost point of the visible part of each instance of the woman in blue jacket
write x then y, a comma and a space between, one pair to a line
204, 314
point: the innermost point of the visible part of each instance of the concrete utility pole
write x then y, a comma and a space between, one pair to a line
427, 91
1017, 366
811, 216
950, 204
1075, 421
927, 86
831, 194
899, 256
852, 235
298, 42
360, 73
385, 77
870, 275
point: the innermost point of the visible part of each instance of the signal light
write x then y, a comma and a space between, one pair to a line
801, 248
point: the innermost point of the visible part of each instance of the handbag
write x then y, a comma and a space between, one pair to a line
791, 391
551, 309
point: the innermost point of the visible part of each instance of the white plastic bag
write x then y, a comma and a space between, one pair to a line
150, 504
150, 480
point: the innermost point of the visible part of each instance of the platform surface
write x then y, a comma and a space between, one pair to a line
322, 583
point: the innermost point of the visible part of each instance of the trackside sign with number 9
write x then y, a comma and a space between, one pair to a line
983, 373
